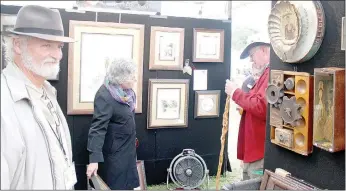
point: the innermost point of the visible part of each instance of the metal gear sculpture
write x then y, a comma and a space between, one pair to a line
290, 111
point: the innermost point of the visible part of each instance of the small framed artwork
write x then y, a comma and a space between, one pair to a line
168, 103
208, 45
7, 23
207, 104
166, 48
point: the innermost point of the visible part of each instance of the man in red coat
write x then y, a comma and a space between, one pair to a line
251, 137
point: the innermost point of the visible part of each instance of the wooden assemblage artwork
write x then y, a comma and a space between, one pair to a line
166, 48
97, 44
273, 181
329, 109
168, 103
207, 104
296, 29
291, 101
141, 175
208, 45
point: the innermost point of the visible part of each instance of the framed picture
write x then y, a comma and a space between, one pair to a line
166, 48
207, 104
208, 45
98, 43
273, 181
168, 103
141, 175
7, 23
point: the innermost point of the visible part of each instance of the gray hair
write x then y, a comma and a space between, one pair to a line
121, 70
8, 46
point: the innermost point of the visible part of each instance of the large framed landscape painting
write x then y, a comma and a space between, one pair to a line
97, 44
168, 103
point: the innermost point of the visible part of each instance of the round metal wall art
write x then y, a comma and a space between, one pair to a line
296, 29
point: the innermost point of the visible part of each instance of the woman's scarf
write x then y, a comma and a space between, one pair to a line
124, 96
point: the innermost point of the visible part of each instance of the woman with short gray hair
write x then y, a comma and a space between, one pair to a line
112, 134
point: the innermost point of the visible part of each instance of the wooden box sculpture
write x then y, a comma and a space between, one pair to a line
291, 101
329, 109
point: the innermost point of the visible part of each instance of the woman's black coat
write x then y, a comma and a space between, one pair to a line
112, 139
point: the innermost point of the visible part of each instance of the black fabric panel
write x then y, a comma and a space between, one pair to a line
202, 135
156, 147
324, 169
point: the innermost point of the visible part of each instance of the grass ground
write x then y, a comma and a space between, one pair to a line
230, 177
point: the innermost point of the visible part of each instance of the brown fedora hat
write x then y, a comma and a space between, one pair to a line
40, 22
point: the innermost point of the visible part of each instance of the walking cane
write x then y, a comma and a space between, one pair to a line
223, 138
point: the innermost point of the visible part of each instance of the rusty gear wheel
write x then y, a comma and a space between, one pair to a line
290, 111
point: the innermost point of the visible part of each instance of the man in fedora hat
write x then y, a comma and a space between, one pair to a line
253, 102
35, 139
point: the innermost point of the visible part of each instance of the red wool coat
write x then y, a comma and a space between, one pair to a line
251, 136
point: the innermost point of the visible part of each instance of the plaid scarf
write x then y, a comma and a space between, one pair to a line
124, 96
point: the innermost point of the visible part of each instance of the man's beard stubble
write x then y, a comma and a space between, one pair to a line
48, 68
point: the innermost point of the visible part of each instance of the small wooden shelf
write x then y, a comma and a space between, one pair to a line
291, 149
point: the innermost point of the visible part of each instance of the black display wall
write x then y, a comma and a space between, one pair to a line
321, 168
156, 147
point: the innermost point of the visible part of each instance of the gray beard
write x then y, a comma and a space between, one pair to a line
46, 69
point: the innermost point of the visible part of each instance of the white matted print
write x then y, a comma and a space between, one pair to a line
92, 75
166, 48
207, 104
97, 44
168, 103
208, 45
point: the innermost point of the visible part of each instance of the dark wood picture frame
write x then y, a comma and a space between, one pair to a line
221, 47
215, 93
273, 181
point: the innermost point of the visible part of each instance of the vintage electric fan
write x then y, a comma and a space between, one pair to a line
188, 171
